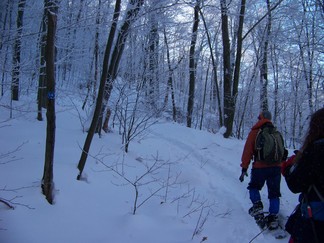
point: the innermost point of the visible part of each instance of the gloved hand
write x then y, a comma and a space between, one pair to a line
285, 156
287, 164
244, 173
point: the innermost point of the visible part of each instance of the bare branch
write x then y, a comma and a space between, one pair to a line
264, 16
9, 156
6, 203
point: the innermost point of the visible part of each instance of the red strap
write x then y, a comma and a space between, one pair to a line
309, 210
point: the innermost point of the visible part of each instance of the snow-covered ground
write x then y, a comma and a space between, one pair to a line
187, 182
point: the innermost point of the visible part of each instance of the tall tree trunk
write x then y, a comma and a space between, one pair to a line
306, 48
218, 96
237, 68
231, 86
41, 94
170, 81
49, 5
264, 63
16, 55
6, 21
109, 75
204, 97
153, 59
192, 64
104, 75
47, 181
92, 83
131, 16
227, 72
276, 71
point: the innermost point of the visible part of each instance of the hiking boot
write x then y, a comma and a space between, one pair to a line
256, 209
260, 220
272, 221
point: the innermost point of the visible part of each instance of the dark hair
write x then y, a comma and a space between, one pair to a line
265, 115
315, 131
316, 128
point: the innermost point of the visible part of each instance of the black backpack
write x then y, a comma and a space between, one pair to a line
269, 145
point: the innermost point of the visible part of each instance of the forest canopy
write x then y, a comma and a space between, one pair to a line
204, 63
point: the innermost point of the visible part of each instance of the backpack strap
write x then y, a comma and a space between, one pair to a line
309, 209
267, 124
320, 196
257, 151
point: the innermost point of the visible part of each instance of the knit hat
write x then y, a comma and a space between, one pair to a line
265, 115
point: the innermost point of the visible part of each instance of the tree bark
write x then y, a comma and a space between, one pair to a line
218, 95
170, 81
108, 75
7, 12
47, 181
49, 5
231, 86
306, 48
6, 21
192, 64
264, 63
104, 75
227, 72
153, 56
41, 94
16, 54
237, 67
92, 83
204, 97
117, 54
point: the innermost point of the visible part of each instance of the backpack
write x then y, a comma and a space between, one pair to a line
269, 145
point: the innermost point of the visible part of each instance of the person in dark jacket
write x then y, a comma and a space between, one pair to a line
261, 173
304, 174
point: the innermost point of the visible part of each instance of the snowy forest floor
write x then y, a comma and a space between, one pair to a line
187, 181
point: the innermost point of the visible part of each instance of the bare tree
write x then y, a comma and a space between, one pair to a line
92, 83
41, 95
148, 176
134, 118
6, 25
214, 63
170, 80
47, 180
131, 16
306, 47
192, 64
264, 61
49, 5
17, 52
227, 71
153, 56
12, 202
295, 64
109, 74
103, 79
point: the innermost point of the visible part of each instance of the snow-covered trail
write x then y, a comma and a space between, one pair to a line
100, 210
218, 161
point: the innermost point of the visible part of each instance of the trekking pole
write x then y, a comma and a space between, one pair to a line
310, 215
258, 234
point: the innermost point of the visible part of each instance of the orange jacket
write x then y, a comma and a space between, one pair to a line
248, 152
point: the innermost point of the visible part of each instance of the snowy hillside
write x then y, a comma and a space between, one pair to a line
187, 182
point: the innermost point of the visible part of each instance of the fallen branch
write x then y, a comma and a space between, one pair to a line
7, 203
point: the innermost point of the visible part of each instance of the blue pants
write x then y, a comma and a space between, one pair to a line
271, 176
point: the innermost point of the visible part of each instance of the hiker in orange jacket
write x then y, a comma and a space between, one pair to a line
261, 173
